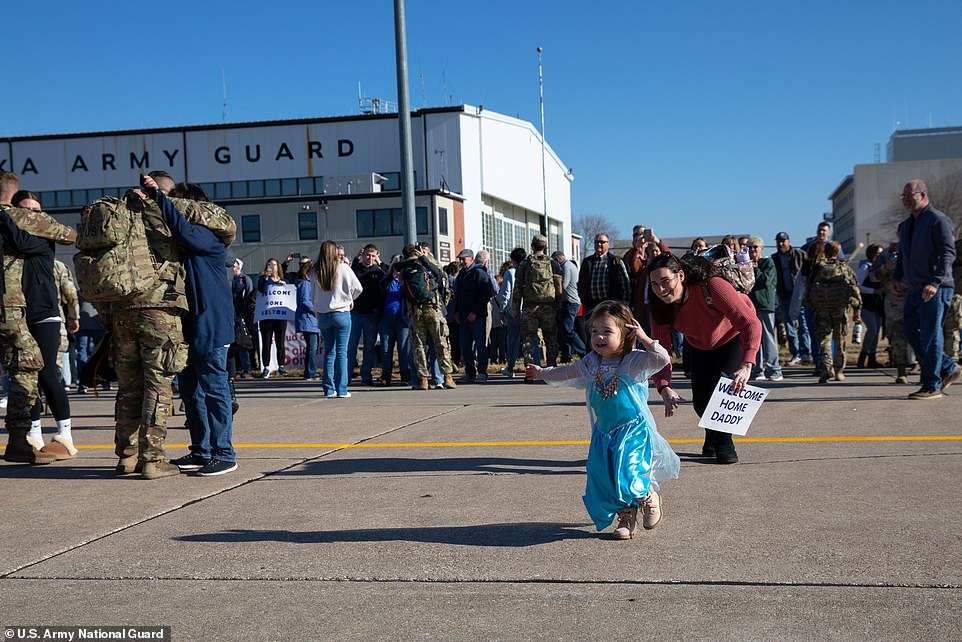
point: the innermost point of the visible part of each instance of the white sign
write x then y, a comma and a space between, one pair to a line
732, 412
279, 303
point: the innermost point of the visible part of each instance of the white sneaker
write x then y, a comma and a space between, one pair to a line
346, 395
650, 510
332, 395
508, 372
776, 377
3, 402
761, 377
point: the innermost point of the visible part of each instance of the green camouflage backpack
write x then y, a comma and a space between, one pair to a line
114, 263
828, 288
213, 217
539, 286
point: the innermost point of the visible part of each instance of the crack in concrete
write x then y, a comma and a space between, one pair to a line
496, 581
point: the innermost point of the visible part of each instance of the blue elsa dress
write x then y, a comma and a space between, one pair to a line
627, 455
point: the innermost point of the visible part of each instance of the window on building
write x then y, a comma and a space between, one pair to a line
239, 189
272, 187
388, 222
255, 189
251, 228
63, 198
221, 190
442, 221
307, 226
79, 197
305, 186
365, 223
393, 181
289, 187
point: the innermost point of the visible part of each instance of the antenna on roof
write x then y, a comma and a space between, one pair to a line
223, 80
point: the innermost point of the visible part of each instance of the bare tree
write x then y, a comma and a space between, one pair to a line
945, 194
589, 225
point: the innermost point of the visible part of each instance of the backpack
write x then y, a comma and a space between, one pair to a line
723, 264
538, 280
114, 263
419, 285
828, 289
212, 216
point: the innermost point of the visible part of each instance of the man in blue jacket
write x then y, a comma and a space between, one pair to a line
208, 330
923, 271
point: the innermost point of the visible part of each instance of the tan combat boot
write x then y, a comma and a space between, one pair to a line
422, 384
128, 466
158, 469
449, 382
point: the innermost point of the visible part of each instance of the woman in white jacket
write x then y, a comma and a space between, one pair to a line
334, 291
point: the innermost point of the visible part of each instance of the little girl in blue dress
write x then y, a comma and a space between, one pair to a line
627, 457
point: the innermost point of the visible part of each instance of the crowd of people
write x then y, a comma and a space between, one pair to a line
611, 323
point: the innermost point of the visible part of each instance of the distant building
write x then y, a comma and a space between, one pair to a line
867, 204
291, 184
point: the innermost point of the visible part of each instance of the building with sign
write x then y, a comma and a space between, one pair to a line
291, 184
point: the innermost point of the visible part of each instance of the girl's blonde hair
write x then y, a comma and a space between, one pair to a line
621, 315
327, 265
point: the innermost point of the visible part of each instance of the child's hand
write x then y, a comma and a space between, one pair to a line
533, 372
672, 399
635, 329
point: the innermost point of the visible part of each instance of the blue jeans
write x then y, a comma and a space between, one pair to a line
922, 326
799, 343
767, 358
310, 354
362, 324
513, 341
435, 375
336, 330
86, 342
205, 390
569, 344
474, 346
394, 331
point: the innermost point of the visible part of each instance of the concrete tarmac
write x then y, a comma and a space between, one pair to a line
401, 514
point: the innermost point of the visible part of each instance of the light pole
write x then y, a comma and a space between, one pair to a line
544, 183
404, 126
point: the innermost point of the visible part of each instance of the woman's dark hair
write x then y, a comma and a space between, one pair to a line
697, 270
304, 271
518, 254
872, 251
190, 191
621, 315
24, 195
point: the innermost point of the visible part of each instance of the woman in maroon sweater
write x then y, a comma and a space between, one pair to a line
724, 333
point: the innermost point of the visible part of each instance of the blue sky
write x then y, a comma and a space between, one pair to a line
690, 117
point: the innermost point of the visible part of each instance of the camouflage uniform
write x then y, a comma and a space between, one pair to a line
537, 314
69, 303
147, 345
834, 322
427, 323
18, 349
953, 317
893, 304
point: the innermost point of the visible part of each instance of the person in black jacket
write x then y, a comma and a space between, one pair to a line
602, 277
473, 289
364, 316
788, 261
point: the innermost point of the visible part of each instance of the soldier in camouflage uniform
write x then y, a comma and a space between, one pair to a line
427, 322
148, 348
833, 320
953, 317
893, 304
25, 233
536, 298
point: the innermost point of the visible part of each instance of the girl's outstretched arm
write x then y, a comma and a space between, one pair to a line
573, 375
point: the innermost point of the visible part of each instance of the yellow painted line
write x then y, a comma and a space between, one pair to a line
578, 442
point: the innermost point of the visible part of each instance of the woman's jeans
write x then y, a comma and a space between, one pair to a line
336, 331
310, 354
